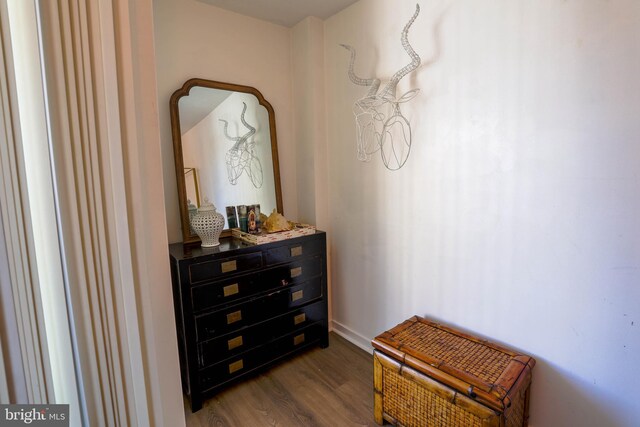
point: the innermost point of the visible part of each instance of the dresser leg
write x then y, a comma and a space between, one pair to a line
196, 403
324, 341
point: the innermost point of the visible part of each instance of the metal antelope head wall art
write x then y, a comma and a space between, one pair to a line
380, 124
241, 156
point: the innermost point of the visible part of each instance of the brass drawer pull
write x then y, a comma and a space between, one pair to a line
298, 339
297, 295
300, 318
234, 317
295, 272
235, 342
230, 290
235, 366
296, 251
229, 266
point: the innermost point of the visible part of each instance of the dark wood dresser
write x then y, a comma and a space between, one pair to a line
241, 307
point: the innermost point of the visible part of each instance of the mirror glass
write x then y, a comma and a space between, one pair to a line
225, 148
191, 185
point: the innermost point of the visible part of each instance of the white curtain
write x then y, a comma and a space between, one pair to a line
99, 81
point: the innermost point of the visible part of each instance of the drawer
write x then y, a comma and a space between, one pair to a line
295, 340
243, 363
235, 317
221, 348
209, 295
202, 271
225, 291
292, 251
233, 367
297, 271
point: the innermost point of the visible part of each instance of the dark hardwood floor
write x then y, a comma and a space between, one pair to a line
322, 387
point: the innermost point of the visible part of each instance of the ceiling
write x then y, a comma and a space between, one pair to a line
200, 102
283, 12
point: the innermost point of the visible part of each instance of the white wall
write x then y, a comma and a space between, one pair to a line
194, 39
517, 215
310, 120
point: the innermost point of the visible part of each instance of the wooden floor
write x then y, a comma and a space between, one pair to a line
322, 387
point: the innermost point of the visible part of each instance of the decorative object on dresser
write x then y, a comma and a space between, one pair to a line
380, 124
241, 307
296, 231
429, 374
208, 224
276, 227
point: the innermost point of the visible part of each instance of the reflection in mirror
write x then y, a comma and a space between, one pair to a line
242, 157
228, 166
191, 185
226, 135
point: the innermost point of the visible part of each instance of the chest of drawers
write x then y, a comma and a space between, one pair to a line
241, 307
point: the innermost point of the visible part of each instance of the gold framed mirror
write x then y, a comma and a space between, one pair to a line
225, 134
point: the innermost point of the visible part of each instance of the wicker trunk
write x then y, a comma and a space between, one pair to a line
426, 374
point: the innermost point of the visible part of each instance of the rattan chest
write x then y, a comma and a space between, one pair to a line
426, 374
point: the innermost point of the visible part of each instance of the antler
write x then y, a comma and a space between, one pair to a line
229, 137
390, 89
252, 130
374, 83
239, 139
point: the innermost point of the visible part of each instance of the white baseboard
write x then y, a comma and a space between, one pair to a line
352, 336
